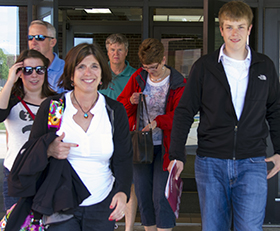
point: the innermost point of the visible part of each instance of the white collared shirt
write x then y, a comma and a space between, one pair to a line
237, 72
91, 160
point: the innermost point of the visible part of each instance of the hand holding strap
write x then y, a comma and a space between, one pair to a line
142, 100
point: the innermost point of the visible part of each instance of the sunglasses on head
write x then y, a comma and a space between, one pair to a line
38, 37
40, 70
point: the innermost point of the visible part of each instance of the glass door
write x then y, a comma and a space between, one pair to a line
181, 50
89, 24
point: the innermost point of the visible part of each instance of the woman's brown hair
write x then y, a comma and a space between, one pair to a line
151, 50
76, 55
18, 88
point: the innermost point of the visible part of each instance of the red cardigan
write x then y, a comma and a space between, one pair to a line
137, 83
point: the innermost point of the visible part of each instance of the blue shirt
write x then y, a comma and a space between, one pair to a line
118, 82
55, 70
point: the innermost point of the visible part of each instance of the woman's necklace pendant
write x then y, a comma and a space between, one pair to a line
86, 113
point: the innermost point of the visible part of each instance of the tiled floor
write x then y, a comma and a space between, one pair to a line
184, 227
180, 227
186, 222
189, 222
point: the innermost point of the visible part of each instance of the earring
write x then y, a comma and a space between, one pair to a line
100, 83
72, 84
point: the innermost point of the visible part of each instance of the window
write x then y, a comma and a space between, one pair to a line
9, 40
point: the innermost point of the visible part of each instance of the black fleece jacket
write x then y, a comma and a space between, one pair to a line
220, 133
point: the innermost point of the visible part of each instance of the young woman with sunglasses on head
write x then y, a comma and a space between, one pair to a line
26, 87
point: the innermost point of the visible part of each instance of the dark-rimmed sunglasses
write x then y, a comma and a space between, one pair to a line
38, 37
40, 70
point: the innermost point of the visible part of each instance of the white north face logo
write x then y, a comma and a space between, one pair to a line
262, 77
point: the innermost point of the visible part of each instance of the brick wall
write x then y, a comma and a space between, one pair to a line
172, 43
134, 41
190, 42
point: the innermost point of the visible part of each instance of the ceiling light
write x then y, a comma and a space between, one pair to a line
98, 11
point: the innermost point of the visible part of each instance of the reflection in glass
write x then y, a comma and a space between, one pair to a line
181, 53
184, 59
9, 40
82, 40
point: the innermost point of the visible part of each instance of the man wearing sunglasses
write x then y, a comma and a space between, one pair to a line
42, 37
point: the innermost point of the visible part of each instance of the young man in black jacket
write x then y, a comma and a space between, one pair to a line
235, 90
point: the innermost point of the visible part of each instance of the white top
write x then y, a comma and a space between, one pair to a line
91, 159
18, 125
155, 98
237, 72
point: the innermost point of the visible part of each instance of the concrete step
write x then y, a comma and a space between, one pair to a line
189, 203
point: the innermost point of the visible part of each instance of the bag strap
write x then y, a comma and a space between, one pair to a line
138, 112
142, 100
145, 103
27, 108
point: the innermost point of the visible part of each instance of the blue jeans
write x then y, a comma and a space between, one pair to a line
89, 218
150, 181
8, 200
231, 189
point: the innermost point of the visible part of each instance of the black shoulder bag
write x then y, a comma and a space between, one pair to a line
142, 141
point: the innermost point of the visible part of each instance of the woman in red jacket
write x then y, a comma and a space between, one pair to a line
163, 87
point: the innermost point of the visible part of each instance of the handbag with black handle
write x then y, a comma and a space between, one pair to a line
142, 141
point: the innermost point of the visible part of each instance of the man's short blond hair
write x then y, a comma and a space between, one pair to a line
235, 11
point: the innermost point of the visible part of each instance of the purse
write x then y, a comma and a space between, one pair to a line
142, 141
30, 223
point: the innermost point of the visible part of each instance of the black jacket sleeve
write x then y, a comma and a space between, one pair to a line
40, 125
121, 162
273, 107
5, 112
29, 164
187, 108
